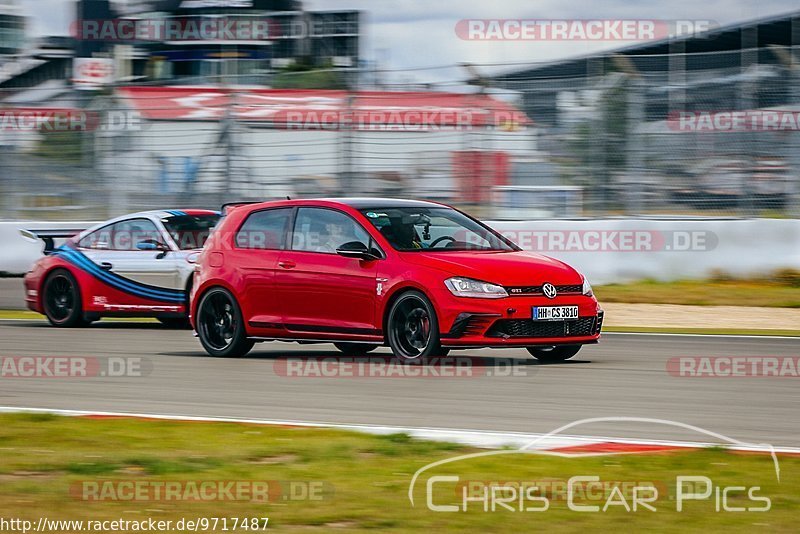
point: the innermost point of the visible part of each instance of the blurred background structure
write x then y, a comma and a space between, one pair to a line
96, 127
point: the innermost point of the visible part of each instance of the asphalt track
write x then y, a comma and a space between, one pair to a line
623, 376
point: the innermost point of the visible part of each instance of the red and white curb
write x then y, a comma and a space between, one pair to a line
550, 443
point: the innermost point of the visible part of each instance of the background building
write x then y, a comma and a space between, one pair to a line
589, 136
297, 41
12, 28
610, 121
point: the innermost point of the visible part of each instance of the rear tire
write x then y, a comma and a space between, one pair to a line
556, 354
220, 326
355, 349
412, 328
61, 300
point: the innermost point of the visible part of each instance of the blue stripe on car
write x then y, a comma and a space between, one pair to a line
122, 283
119, 282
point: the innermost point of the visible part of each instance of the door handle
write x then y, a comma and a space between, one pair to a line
106, 266
286, 264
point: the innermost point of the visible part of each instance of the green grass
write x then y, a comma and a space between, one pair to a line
365, 478
33, 316
773, 292
702, 331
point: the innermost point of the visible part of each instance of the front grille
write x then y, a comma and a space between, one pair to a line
575, 289
584, 326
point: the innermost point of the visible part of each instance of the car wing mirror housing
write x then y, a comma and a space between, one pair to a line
357, 250
152, 244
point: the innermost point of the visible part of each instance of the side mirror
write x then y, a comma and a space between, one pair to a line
357, 250
152, 244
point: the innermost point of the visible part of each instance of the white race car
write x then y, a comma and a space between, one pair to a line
135, 265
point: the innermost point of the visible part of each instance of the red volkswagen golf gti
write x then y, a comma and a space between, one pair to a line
420, 277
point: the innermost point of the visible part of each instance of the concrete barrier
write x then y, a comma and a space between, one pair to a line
606, 250
12, 294
620, 250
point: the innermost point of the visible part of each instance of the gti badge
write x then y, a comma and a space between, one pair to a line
549, 290
379, 288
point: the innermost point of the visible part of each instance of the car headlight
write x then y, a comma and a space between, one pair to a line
467, 287
587, 288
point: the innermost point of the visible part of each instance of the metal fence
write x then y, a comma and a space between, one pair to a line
678, 135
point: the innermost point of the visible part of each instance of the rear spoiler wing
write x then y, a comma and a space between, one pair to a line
226, 207
49, 235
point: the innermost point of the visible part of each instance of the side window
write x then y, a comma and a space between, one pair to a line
323, 230
123, 235
128, 234
99, 239
265, 230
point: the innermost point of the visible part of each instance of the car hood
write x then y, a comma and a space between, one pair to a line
504, 268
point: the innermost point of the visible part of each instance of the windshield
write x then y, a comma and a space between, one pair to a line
440, 229
190, 231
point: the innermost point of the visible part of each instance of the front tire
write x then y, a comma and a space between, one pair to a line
220, 326
62, 300
556, 354
355, 349
413, 328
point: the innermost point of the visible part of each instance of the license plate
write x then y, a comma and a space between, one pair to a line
555, 313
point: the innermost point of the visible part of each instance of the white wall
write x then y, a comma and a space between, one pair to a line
739, 247
17, 253
667, 249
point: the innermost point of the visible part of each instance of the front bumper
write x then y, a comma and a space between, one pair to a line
507, 322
